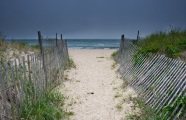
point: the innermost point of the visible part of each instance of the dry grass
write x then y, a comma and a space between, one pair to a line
10, 50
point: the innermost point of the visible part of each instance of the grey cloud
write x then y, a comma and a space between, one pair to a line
89, 18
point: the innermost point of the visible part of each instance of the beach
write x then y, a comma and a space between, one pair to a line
94, 89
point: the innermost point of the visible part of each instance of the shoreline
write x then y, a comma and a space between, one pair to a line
93, 48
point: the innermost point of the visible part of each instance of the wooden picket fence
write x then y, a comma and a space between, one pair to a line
26, 79
160, 81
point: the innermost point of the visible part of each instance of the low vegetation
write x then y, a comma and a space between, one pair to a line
114, 65
172, 44
71, 63
100, 57
13, 49
169, 109
48, 107
145, 113
119, 107
117, 95
113, 56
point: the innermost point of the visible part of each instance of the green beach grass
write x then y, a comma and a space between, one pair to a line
145, 113
172, 44
48, 107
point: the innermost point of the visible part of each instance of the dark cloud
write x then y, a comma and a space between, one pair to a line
89, 18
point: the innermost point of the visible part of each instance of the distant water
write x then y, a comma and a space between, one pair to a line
82, 43
93, 43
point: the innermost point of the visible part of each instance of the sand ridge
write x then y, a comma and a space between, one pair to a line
94, 89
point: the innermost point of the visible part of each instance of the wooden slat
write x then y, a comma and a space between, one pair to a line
9, 90
29, 78
15, 90
20, 83
34, 70
4, 96
25, 80
1, 113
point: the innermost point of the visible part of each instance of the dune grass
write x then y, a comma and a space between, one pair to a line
14, 49
117, 95
47, 107
119, 107
171, 44
71, 64
114, 55
145, 113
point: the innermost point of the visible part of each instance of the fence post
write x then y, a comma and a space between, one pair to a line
121, 48
4, 96
63, 50
17, 102
56, 54
122, 43
138, 36
40, 42
56, 39
66, 49
61, 37
135, 41
66, 57
122, 40
42, 56
29, 75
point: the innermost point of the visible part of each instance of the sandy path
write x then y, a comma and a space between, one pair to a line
94, 90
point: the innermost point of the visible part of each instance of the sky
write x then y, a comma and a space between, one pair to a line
82, 19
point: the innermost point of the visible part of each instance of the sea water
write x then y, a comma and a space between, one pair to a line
81, 43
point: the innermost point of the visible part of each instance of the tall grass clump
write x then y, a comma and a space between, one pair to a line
71, 64
114, 55
171, 44
2, 44
47, 107
145, 113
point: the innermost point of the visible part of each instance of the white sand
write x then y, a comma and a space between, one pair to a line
94, 89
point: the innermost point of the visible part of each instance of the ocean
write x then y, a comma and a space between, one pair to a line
81, 43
